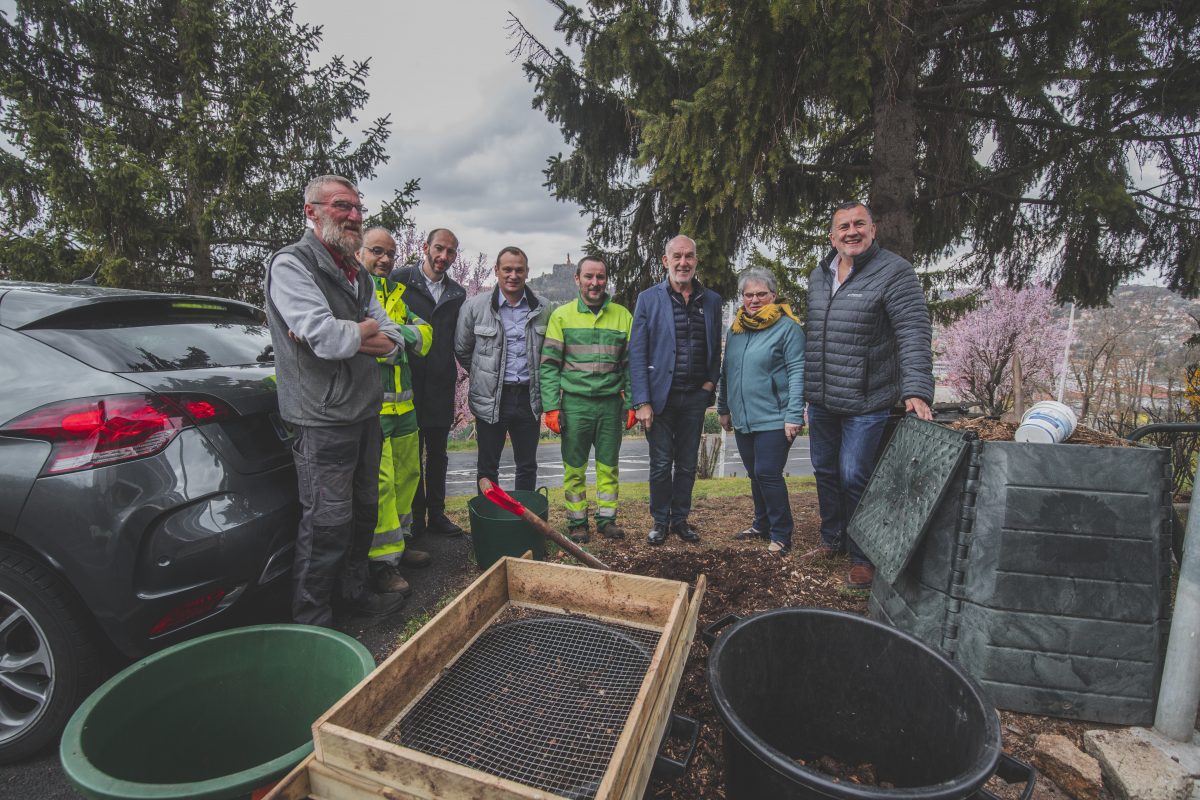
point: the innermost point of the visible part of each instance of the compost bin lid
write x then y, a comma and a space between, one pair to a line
908, 484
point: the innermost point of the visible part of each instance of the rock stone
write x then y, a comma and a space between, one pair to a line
1135, 768
1068, 767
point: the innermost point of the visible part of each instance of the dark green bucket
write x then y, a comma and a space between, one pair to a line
498, 533
212, 718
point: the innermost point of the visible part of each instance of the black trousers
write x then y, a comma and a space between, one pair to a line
517, 421
430, 499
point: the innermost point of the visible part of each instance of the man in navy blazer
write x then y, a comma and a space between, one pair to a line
674, 363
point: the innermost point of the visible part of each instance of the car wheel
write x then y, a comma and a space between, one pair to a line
48, 659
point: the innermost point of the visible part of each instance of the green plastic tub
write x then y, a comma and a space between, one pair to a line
215, 717
497, 533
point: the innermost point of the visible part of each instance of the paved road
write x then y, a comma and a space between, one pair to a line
635, 464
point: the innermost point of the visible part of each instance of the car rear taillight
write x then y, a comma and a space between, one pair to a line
97, 431
203, 410
186, 612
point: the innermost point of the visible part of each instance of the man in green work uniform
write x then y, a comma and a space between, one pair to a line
399, 466
585, 394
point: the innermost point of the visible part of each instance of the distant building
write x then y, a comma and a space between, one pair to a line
557, 285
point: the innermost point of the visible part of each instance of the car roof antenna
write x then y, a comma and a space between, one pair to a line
90, 280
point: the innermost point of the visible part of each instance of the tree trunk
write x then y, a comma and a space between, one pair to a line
196, 237
894, 149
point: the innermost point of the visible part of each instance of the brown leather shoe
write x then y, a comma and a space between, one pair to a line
860, 576
579, 534
415, 558
386, 579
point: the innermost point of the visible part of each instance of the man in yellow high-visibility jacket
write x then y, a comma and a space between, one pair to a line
400, 465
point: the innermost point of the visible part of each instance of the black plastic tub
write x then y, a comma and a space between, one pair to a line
801, 683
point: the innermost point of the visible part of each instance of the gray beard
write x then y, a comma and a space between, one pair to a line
345, 242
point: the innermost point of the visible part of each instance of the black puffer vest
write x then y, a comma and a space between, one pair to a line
691, 345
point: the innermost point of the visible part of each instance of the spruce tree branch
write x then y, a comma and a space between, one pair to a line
999, 34
983, 187
1049, 124
1072, 76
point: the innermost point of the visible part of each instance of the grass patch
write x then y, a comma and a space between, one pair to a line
415, 623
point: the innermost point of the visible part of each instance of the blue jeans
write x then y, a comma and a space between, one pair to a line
764, 454
843, 448
674, 443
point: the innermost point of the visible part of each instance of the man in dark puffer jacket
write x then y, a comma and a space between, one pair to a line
869, 346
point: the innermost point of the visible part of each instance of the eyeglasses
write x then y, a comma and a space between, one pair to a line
379, 252
757, 295
344, 206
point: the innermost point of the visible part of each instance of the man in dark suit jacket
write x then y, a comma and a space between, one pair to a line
436, 298
674, 363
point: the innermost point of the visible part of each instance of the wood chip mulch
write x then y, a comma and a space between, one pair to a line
994, 430
743, 579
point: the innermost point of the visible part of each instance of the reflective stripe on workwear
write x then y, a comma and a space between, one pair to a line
399, 474
392, 397
591, 422
585, 352
394, 370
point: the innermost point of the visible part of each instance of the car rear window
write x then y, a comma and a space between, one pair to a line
159, 336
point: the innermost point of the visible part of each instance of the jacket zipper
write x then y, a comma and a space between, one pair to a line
825, 329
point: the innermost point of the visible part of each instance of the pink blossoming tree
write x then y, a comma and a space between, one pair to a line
979, 348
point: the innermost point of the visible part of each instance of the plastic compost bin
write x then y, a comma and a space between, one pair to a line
794, 684
1044, 569
215, 717
496, 533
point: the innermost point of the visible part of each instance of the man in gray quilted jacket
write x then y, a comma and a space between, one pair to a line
869, 347
498, 340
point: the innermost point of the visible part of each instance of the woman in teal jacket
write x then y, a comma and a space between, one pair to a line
762, 400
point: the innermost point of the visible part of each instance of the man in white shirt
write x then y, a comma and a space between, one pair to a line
435, 297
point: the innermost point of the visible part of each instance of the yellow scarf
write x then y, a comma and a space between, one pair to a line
767, 316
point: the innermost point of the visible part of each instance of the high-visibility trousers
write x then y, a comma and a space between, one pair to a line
399, 474
587, 423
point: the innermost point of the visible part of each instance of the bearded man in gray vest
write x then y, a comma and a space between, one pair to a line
328, 328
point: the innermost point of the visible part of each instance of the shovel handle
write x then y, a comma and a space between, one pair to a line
542, 527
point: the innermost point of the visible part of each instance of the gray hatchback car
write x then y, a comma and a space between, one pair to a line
146, 485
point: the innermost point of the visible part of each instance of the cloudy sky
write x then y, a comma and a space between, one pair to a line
461, 116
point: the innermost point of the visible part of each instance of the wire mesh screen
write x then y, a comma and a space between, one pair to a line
540, 701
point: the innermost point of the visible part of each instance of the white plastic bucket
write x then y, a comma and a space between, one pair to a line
1047, 422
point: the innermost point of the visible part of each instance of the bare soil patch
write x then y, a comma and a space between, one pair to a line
742, 579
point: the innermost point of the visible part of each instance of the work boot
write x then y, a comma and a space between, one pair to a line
372, 604
657, 535
579, 534
612, 531
686, 532
861, 576
443, 526
415, 558
386, 579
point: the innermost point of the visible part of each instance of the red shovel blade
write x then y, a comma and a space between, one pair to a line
504, 500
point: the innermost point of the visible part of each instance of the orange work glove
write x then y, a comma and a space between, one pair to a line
630, 419
551, 420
